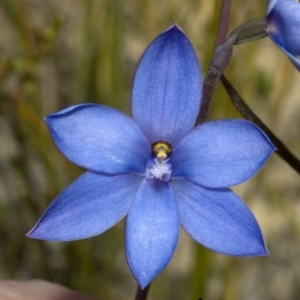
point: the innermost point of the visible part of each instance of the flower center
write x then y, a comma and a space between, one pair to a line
161, 150
159, 166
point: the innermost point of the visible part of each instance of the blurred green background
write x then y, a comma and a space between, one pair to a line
58, 53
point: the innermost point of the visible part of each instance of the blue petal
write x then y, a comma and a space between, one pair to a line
283, 23
99, 138
271, 5
218, 219
221, 153
167, 88
152, 228
89, 206
294, 59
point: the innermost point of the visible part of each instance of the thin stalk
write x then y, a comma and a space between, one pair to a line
223, 23
214, 73
248, 114
142, 294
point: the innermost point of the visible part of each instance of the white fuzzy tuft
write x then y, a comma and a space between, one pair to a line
160, 170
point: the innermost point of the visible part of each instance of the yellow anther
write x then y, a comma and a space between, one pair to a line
161, 150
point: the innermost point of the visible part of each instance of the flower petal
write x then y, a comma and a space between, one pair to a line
221, 153
271, 5
89, 206
167, 88
283, 22
218, 219
294, 59
99, 138
152, 229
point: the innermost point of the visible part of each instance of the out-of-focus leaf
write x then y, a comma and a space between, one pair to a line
250, 31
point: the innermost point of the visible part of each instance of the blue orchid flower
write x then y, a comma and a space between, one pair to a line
156, 167
283, 23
